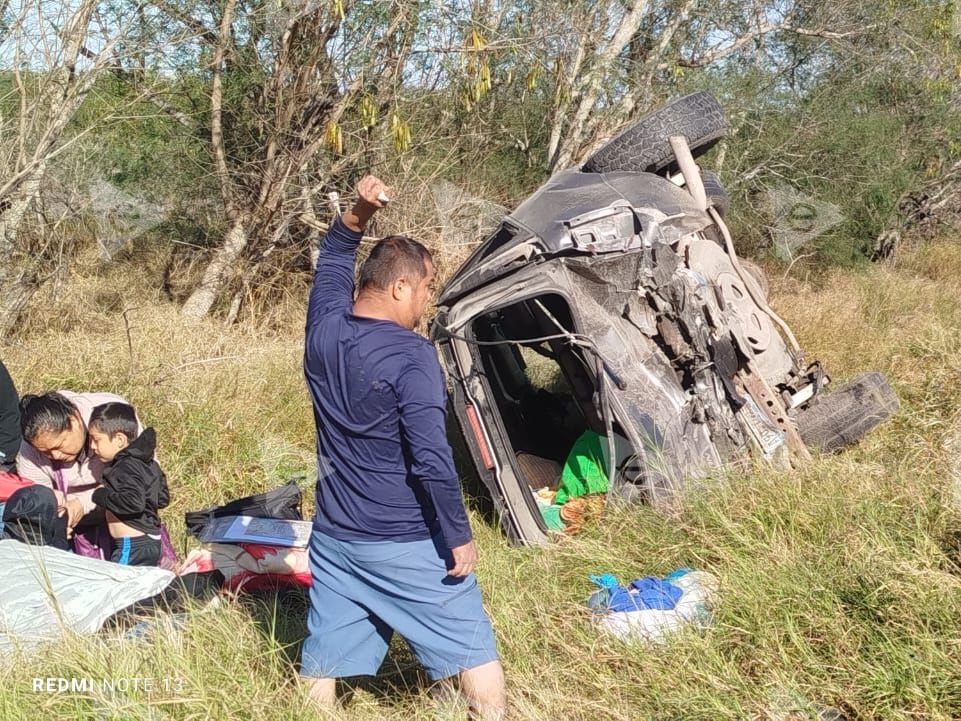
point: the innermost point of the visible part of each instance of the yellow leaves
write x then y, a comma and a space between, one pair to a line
476, 41
339, 9
562, 83
482, 84
368, 112
476, 68
533, 77
334, 137
400, 132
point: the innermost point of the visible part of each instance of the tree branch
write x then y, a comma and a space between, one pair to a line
150, 95
721, 53
595, 77
827, 34
195, 25
560, 112
216, 112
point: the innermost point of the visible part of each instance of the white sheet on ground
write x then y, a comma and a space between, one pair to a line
45, 592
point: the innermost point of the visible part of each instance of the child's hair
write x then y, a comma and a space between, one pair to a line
112, 418
46, 413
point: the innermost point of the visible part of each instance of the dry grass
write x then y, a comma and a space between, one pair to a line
838, 580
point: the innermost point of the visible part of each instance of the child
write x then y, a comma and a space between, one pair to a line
133, 487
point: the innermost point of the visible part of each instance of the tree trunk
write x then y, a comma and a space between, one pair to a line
17, 286
203, 298
17, 204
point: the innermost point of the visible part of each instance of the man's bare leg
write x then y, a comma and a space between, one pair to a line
484, 687
322, 693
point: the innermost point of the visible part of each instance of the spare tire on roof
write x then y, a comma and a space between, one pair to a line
644, 147
716, 192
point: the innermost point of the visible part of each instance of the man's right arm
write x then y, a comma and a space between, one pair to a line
333, 287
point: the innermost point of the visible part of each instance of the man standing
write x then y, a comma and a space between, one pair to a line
391, 548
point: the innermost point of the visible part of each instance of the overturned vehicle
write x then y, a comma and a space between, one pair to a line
606, 334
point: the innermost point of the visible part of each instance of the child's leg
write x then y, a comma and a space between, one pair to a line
136, 550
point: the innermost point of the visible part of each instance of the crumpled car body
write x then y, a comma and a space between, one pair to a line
608, 301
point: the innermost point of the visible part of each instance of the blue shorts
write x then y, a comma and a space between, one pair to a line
363, 591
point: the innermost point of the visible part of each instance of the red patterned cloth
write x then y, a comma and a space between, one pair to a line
10, 482
250, 566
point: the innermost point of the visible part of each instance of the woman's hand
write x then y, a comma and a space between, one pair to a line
74, 511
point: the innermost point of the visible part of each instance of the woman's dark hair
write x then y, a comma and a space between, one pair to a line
47, 413
113, 418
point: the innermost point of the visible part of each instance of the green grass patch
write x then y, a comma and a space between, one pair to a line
839, 580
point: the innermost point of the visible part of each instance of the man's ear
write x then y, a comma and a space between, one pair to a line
400, 289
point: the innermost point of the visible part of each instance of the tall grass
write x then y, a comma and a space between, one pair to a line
838, 580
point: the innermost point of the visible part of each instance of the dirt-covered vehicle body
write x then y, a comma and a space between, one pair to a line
611, 300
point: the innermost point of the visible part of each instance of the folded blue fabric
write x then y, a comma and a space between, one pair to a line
655, 593
621, 599
643, 594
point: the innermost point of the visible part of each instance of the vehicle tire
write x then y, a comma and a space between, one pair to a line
757, 273
844, 415
644, 146
716, 192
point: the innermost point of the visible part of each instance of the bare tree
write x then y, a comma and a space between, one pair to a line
598, 63
285, 84
51, 72
622, 54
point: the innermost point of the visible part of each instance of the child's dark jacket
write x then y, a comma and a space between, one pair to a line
134, 486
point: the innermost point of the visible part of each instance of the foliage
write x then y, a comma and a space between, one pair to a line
852, 103
859, 127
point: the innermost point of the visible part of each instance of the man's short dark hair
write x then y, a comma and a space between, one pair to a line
394, 257
113, 418
46, 413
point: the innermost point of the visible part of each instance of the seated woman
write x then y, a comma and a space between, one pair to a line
54, 454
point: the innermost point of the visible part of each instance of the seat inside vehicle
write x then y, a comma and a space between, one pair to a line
542, 383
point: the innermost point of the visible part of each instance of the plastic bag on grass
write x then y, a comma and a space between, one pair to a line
651, 609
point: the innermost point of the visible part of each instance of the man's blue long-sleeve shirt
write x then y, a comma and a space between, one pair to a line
385, 468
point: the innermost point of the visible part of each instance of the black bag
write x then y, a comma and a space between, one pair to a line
282, 502
30, 516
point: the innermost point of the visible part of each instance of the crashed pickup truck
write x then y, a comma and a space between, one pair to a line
612, 301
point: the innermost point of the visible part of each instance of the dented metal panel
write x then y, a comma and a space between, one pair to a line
668, 345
